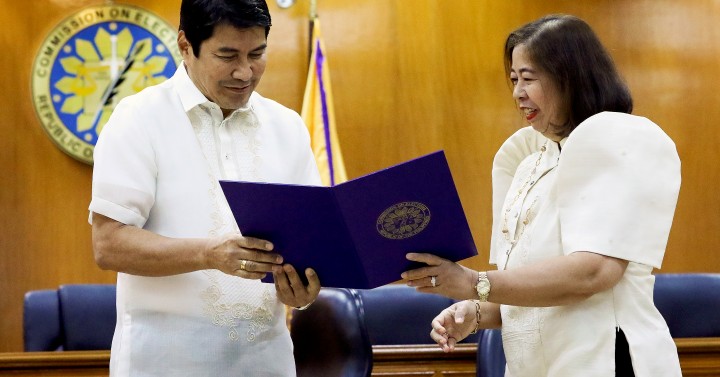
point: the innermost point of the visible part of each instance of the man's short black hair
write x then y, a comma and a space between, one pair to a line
198, 18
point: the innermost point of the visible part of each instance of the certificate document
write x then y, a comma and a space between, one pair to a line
356, 234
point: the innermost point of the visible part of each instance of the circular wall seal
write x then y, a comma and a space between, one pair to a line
403, 220
89, 62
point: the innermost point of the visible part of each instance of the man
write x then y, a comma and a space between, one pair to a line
189, 298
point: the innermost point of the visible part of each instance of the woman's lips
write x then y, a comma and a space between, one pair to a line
530, 113
530, 116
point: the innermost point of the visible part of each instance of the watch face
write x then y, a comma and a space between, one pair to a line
483, 287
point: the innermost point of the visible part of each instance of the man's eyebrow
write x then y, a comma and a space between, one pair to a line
261, 47
227, 49
234, 50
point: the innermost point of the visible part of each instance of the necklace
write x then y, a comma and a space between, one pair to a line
529, 181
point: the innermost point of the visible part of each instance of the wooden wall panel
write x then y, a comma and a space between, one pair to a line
409, 77
44, 234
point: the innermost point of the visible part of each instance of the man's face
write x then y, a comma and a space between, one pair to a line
230, 64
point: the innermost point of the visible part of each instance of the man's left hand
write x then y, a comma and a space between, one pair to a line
290, 289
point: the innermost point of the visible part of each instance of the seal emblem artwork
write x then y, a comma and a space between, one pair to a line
403, 220
89, 62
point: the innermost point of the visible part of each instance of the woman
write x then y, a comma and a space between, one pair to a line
583, 201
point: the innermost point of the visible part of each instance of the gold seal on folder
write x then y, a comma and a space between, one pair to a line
403, 220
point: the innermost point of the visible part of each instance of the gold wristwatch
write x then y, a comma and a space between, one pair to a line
483, 286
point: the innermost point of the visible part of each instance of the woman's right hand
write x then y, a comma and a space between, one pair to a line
454, 324
441, 277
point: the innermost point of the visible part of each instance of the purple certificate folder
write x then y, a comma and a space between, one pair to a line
356, 234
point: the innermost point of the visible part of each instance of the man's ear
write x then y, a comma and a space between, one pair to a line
184, 45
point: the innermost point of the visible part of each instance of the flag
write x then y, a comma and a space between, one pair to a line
317, 113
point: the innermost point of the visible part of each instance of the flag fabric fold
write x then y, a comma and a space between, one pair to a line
318, 115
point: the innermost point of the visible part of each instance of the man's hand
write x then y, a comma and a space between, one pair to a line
246, 257
132, 250
290, 289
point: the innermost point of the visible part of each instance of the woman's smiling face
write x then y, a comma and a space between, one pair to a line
536, 95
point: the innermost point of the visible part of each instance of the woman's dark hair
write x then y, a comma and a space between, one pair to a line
566, 48
198, 18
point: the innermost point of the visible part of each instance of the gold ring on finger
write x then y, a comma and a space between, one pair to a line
243, 262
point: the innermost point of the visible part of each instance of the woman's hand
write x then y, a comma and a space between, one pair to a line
454, 324
450, 279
